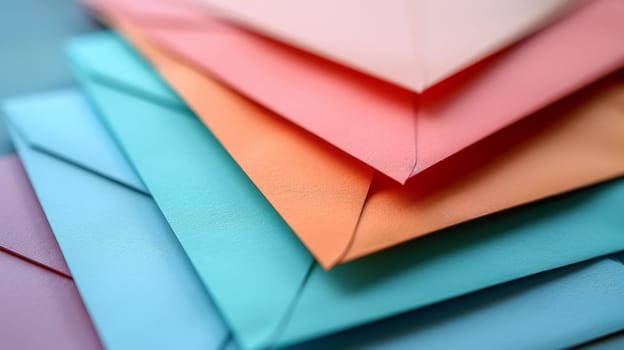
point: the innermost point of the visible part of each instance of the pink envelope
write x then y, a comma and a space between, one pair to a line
394, 130
40, 305
411, 43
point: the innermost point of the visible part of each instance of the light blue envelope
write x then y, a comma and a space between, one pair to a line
268, 288
136, 281
511, 316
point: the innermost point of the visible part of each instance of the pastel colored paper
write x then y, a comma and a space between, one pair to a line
554, 310
588, 289
413, 43
135, 280
24, 230
395, 131
237, 242
341, 210
41, 307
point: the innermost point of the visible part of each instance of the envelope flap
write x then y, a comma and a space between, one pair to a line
318, 190
88, 52
458, 34
574, 143
35, 118
350, 33
589, 40
432, 201
470, 257
259, 248
122, 254
424, 41
383, 126
24, 229
380, 133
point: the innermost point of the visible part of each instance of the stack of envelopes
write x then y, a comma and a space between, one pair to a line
320, 174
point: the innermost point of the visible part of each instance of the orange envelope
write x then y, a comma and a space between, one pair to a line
342, 209
394, 130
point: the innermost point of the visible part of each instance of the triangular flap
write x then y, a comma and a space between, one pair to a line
575, 143
209, 209
456, 35
350, 33
424, 41
122, 252
24, 228
34, 117
379, 133
203, 194
588, 39
318, 190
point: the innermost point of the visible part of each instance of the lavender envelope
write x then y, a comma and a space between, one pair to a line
40, 306
24, 229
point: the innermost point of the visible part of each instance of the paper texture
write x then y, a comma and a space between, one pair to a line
394, 131
342, 210
237, 242
135, 280
25, 230
412, 43
41, 307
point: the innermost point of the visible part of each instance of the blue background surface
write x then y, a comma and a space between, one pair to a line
32, 33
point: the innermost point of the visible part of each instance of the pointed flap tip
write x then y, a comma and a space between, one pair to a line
77, 138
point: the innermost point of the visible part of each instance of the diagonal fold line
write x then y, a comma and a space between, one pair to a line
34, 262
353, 237
618, 257
418, 36
225, 342
287, 316
64, 159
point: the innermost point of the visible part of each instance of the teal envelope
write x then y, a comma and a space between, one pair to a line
540, 306
136, 281
553, 310
266, 285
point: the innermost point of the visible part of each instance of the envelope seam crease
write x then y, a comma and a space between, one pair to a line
34, 262
287, 316
353, 236
227, 340
59, 157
